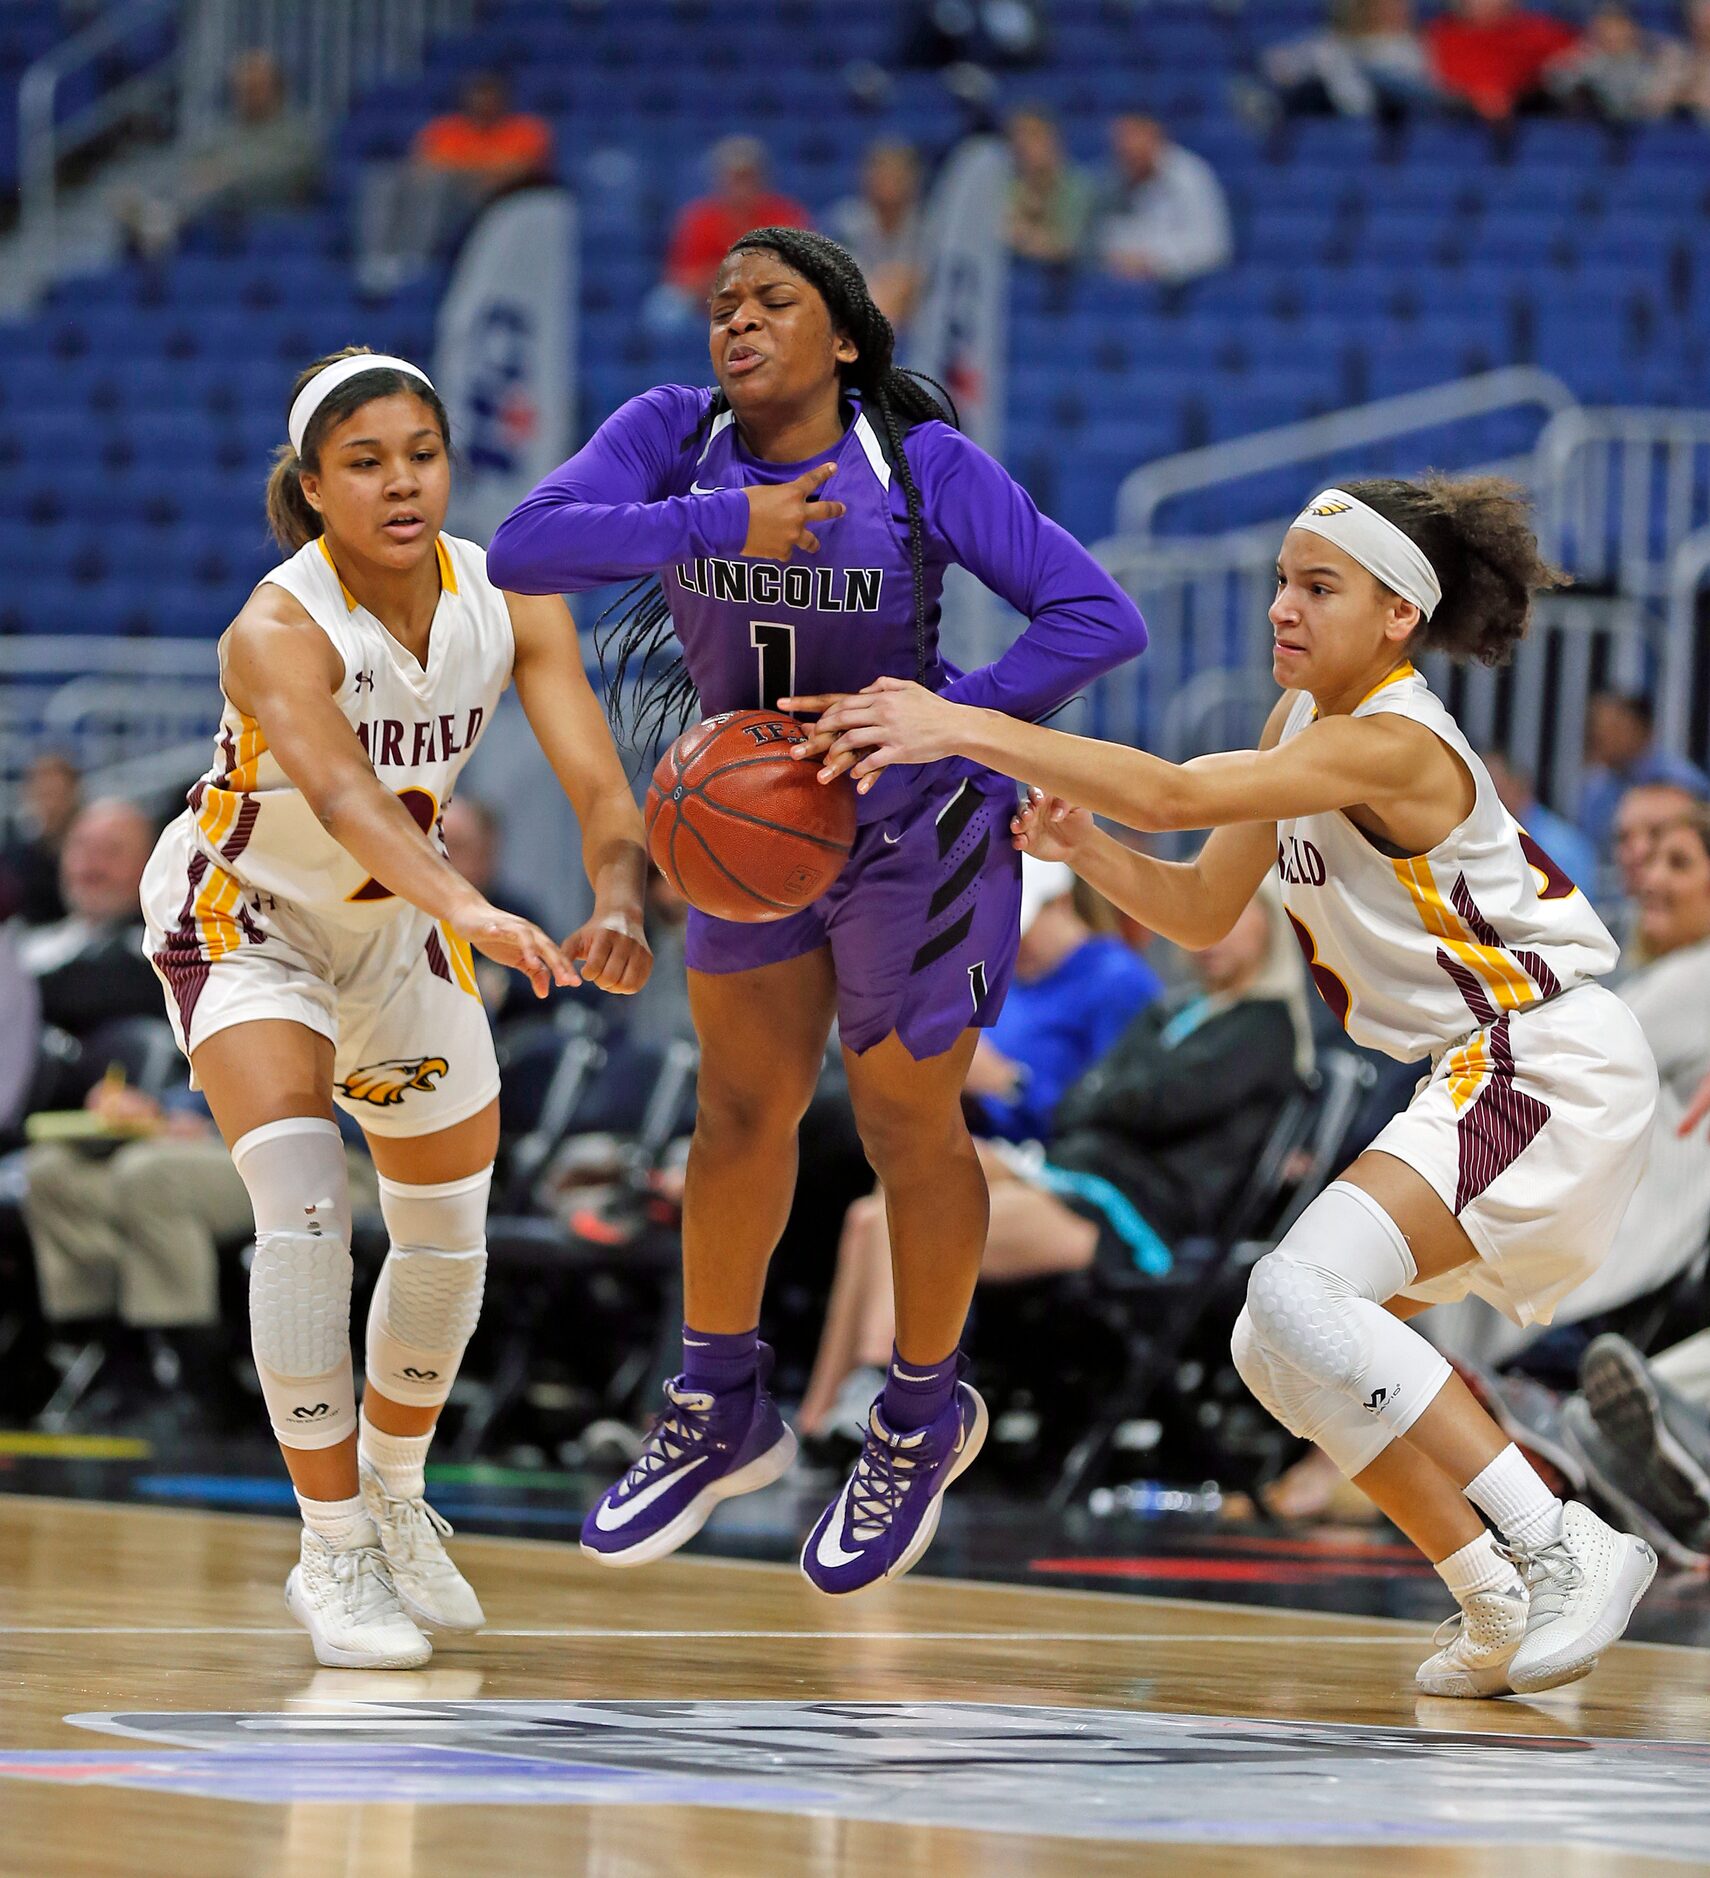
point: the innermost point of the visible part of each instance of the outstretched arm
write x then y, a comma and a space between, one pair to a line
572, 732
282, 669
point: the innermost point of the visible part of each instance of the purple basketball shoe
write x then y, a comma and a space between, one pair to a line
703, 1449
879, 1526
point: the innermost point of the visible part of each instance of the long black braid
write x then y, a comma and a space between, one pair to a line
633, 636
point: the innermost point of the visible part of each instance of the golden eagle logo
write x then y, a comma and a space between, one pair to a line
386, 1084
1330, 508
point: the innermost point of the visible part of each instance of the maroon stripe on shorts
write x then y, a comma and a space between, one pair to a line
235, 843
436, 957
179, 960
1487, 935
1499, 1125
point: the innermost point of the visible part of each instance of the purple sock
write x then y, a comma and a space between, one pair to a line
714, 1362
918, 1393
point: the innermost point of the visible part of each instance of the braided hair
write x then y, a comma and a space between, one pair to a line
636, 629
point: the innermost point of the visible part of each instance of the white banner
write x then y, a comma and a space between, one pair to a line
505, 354
960, 334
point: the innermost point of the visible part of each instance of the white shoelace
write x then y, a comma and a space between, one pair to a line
364, 1583
414, 1526
1552, 1574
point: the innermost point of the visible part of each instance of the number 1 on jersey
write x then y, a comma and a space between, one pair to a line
775, 648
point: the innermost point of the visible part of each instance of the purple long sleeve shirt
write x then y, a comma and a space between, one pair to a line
638, 498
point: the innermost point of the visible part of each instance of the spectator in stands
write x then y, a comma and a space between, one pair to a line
1151, 1145
473, 834
1683, 80
1160, 213
1620, 752
1616, 72
1644, 812
883, 227
1493, 56
1050, 198
1367, 61
1557, 836
29, 863
658, 1014
413, 211
263, 155
705, 228
1076, 987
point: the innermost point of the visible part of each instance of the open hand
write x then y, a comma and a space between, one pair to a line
892, 720
1049, 828
613, 952
519, 943
782, 516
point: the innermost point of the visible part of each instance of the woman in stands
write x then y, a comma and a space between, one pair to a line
314, 943
1433, 925
771, 587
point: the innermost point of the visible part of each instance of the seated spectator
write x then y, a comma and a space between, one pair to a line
1683, 78
473, 837
1616, 72
29, 862
1557, 836
1368, 61
1076, 987
1160, 213
1493, 56
883, 227
1152, 1145
658, 1014
1646, 810
1050, 198
263, 155
743, 198
411, 212
1621, 751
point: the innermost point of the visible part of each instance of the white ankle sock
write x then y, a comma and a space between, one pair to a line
399, 1460
1509, 1493
1478, 1567
344, 1524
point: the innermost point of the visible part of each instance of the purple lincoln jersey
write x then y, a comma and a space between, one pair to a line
922, 921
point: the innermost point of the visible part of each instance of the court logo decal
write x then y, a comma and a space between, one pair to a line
994, 1768
386, 1084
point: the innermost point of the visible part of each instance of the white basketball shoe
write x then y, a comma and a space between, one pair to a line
1583, 1588
431, 1588
347, 1603
1476, 1646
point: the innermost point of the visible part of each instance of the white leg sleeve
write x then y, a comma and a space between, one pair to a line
1352, 1438
1316, 1308
428, 1297
299, 1282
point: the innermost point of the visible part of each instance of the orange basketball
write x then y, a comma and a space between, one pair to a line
740, 830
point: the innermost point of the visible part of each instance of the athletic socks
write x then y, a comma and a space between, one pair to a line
1478, 1567
399, 1460
344, 1524
715, 1361
917, 1393
1510, 1494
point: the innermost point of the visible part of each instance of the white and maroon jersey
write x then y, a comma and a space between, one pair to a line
418, 725
1415, 952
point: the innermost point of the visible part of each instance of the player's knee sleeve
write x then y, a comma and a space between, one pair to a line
428, 1297
294, 1172
1351, 1437
299, 1322
1315, 1306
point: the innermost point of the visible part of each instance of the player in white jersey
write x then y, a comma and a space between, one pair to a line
315, 945
1434, 926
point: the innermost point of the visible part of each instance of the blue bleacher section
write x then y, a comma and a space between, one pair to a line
138, 411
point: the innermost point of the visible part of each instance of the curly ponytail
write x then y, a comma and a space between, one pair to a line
1476, 531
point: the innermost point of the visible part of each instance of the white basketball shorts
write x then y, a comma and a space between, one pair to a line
1534, 1131
413, 1049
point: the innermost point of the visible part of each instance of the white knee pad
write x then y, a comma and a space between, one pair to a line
299, 1321
1351, 1437
1315, 1305
295, 1174
428, 1298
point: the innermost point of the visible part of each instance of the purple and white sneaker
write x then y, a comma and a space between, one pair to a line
703, 1449
880, 1525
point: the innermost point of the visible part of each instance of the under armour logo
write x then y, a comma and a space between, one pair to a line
365, 681
422, 1375
1379, 1397
310, 1414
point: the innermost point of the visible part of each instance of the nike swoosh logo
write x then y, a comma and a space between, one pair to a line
829, 1552
610, 1518
696, 490
892, 839
904, 1376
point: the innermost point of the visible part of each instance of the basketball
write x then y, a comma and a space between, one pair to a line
738, 828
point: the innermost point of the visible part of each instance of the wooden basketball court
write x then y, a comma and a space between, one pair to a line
715, 1718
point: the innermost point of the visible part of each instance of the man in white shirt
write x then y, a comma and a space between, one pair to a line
1161, 211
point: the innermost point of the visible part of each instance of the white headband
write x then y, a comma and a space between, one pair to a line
324, 383
1376, 543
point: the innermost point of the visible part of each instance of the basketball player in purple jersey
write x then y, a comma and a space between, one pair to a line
773, 588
